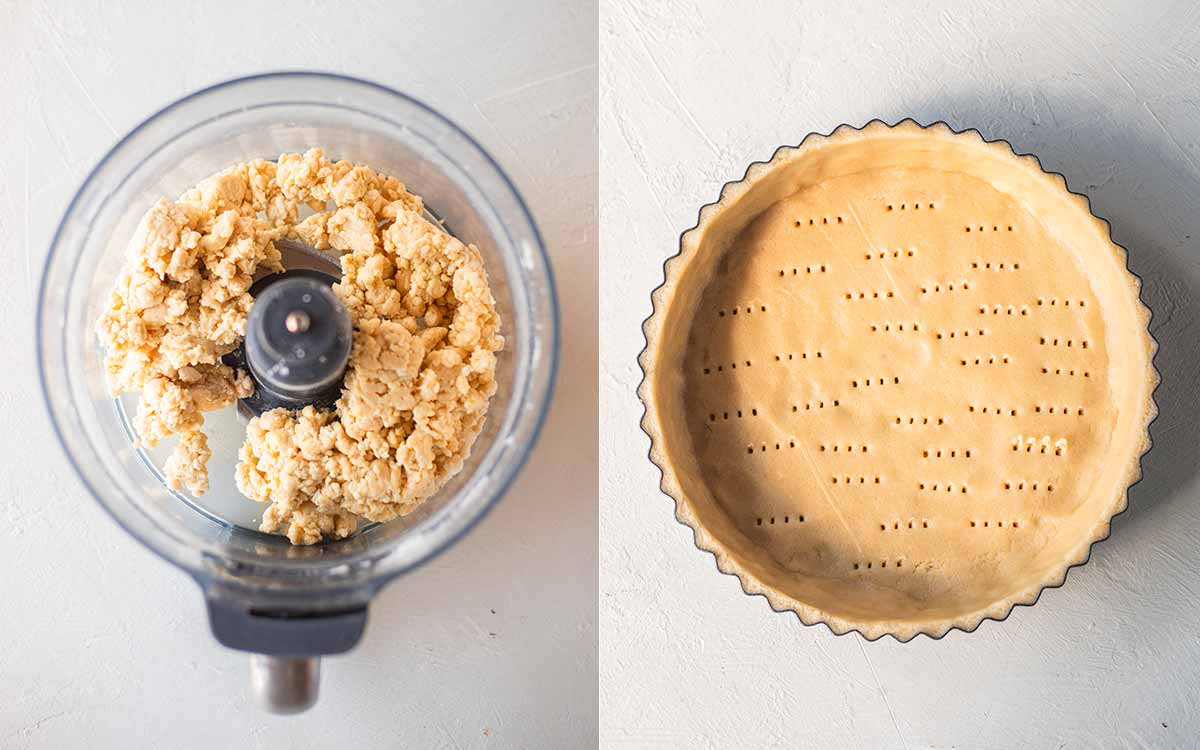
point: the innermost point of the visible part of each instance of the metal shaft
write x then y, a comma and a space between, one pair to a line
285, 684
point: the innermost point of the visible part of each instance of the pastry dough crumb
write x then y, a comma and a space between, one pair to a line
187, 463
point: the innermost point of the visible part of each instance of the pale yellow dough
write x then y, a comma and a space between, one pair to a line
898, 380
422, 366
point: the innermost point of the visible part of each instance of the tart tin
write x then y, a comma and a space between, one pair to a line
683, 513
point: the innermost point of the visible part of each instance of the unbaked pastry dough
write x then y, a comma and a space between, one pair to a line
422, 366
898, 380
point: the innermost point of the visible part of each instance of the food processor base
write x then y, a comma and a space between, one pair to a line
285, 646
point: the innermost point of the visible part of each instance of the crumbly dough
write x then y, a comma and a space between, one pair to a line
898, 380
422, 366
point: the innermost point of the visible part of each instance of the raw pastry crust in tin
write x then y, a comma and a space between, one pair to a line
898, 379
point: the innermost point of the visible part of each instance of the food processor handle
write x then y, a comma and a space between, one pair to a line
285, 684
285, 642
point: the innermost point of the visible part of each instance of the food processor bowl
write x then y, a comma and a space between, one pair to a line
288, 604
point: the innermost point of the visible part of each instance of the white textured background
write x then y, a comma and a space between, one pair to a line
1107, 93
102, 644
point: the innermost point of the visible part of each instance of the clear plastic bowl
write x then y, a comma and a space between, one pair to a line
261, 117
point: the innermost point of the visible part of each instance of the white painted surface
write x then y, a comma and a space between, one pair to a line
104, 645
1109, 94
